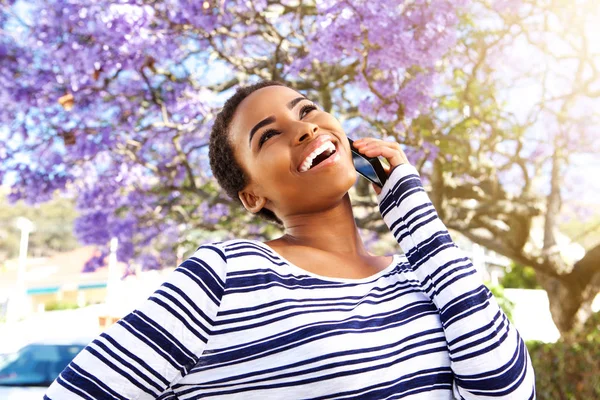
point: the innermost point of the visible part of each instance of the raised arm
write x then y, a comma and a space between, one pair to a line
141, 355
488, 357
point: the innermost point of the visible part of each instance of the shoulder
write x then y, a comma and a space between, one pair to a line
230, 250
239, 257
248, 248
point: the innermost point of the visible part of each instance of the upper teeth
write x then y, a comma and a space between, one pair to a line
306, 164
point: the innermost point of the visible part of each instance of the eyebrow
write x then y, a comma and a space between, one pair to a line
271, 119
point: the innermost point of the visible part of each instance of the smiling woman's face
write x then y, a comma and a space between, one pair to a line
275, 133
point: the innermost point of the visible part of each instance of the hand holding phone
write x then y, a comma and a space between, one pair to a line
365, 153
370, 168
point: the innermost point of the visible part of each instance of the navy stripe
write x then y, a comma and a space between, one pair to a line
120, 371
290, 284
241, 282
262, 271
403, 186
166, 333
509, 380
392, 358
188, 308
412, 223
425, 245
333, 355
256, 254
252, 278
127, 364
494, 345
463, 296
302, 311
215, 249
411, 230
156, 336
308, 381
480, 297
316, 301
197, 271
151, 344
247, 245
422, 381
167, 396
179, 317
135, 358
308, 333
395, 224
74, 387
484, 328
96, 381
491, 337
467, 312
436, 287
317, 307
469, 272
328, 324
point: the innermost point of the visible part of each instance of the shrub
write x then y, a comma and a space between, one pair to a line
569, 369
503, 302
520, 277
60, 305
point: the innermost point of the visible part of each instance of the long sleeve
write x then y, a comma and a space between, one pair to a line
141, 355
488, 357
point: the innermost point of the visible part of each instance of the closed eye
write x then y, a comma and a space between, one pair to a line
305, 110
266, 135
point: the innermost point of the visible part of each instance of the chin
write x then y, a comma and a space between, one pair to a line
351, 178
343, 183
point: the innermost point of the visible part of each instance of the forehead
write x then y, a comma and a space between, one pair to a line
259, 105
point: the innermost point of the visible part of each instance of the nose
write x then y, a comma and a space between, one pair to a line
306, 131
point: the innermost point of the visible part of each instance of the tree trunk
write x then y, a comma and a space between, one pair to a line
571, 295
565, 301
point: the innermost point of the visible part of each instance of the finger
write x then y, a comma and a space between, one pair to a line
373, 139
370, 147
364, 141
390, 151
367, 142
380, 151
367, 146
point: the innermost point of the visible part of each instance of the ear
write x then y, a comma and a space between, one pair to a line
251, 201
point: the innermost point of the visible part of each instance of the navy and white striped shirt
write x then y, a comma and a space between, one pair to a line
238, 321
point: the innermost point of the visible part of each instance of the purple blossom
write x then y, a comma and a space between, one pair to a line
92, 227
398, 37
107, 100
98, 260
149, 262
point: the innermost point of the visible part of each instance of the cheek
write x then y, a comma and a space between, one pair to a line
273, 170
329, 122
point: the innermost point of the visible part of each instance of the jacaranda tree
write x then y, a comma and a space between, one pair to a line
113, 101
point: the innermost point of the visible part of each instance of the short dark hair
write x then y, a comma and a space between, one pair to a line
229, 173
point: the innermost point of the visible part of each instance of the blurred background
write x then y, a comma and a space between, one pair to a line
106, 107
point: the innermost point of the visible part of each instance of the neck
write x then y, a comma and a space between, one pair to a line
333, 230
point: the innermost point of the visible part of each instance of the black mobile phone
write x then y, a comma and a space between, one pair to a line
369, 167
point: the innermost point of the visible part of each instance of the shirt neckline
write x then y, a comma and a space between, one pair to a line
301, 270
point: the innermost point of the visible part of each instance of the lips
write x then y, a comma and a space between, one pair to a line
314, 145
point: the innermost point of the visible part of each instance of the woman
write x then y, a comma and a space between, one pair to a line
311, 314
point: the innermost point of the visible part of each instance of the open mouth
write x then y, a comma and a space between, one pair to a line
319, 155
